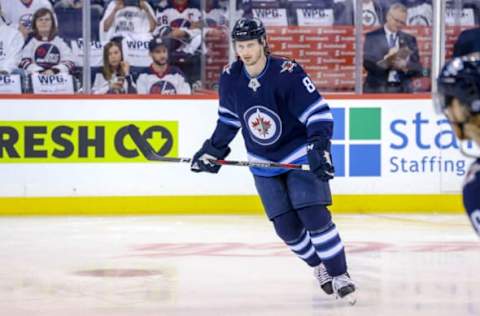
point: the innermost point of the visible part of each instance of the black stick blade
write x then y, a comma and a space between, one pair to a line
140, 141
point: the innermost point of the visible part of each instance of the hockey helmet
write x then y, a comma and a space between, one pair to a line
247, 29
460, 78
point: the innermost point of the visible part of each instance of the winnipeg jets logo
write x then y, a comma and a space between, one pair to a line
264, 125
288, 66
369, 17
261, 125
254, 84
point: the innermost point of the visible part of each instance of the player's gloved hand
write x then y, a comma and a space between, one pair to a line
200, 161
320, 159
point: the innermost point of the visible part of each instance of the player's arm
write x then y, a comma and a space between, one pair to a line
313, 111
228, 124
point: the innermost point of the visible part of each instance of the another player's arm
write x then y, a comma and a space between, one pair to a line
471, 199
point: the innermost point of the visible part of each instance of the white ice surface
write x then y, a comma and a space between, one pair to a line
231, 265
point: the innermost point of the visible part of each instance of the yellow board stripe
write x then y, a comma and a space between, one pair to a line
210, 205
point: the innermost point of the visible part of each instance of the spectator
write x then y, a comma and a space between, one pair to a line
468, 16
390, 55
162, 78
419, 12
45, 52
181, 21
372, 12
216, 15
127, 18
19, 13
115, 77
468, 42
11, 43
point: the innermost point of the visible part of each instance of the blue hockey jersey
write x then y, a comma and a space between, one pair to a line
471, 197
279, 112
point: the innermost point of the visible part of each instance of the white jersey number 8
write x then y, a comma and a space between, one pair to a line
309, 84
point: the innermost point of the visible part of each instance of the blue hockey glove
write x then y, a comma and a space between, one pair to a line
200, 161
320, 159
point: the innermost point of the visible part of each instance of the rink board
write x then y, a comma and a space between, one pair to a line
67, 155
219, 204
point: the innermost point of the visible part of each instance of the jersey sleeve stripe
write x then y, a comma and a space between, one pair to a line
221, 109
321, 104
327, 116
230, 122
295, 155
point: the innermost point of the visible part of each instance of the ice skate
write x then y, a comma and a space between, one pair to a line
325, 280
344, 288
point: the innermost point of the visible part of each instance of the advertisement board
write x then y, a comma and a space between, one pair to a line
394, 150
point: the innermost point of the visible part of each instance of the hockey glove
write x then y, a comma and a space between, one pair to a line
201, 160
320, 159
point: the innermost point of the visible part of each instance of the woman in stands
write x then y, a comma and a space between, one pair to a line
45, 52
115, 77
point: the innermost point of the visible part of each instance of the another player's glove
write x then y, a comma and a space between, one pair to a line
200, 161
320, 159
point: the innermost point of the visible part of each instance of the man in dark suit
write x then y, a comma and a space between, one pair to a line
468, 42
390, 56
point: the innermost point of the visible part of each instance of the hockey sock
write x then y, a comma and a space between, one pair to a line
325, 238
290, 229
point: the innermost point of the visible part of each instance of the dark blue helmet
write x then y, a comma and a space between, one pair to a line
460, 78
247, 29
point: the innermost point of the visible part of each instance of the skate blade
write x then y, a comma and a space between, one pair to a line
350, 297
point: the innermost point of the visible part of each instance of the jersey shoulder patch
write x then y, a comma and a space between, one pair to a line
232, 68
288, 66
285, 65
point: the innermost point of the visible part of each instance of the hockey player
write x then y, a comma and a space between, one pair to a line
283, 119
46, 52
459, 98
161, 78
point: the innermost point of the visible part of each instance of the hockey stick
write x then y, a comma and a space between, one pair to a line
150, 154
